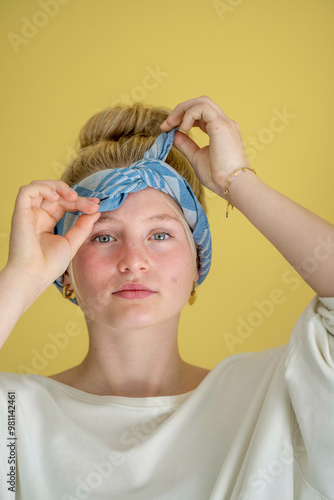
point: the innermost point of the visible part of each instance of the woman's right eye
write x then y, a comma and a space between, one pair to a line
103, 238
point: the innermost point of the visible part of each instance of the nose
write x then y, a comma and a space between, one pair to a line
133, 258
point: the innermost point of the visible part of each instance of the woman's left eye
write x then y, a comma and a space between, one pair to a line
161, 236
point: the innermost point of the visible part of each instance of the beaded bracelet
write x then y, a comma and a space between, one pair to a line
228, 183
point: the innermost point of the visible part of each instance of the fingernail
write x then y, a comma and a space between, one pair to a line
94, 201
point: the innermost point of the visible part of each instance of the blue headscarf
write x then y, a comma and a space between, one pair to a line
112, 186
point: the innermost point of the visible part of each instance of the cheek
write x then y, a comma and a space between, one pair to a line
88, 267
179, 287
181, 270
178, 262
91, 281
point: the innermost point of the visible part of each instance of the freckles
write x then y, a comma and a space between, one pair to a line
174, 280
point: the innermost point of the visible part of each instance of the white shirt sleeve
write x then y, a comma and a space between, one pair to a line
309, 376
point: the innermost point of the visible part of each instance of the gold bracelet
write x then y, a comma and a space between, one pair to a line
228, 183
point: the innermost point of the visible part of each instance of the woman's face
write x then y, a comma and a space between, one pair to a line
136, 269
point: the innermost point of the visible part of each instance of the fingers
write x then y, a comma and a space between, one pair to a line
195, 112
80, 231
203, 114
50, 190
54, 198
185, 145
58, 209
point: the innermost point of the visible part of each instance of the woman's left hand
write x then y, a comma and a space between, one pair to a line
226, 151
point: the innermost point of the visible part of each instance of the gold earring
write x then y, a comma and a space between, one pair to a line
68, 294
193, 296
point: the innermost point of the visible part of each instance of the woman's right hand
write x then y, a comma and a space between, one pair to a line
34, 251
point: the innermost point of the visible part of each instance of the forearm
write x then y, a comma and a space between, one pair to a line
304, 239
16, 296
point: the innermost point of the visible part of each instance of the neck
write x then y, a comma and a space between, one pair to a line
134, 363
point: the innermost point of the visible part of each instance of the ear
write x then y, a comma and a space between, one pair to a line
66, 278
196, 277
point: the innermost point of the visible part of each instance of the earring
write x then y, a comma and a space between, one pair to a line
68, 294
193, 296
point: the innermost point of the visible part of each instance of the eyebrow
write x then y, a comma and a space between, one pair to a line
153, 218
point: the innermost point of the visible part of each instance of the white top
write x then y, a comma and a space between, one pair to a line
259, 426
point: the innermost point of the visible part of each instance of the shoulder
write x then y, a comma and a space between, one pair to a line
196, 374
8, 378
71, 377
23, 384
20, 385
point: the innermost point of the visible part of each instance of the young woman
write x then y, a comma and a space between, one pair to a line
128, 243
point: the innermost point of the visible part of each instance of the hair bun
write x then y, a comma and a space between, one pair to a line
118, 137
123, 121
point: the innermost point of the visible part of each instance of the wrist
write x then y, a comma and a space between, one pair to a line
235, 184
20, 286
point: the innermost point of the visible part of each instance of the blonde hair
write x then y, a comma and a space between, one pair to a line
119, 136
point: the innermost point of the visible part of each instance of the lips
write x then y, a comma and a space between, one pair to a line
134, 291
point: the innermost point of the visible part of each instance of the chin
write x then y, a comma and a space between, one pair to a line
136, 315
127, 320
135, 319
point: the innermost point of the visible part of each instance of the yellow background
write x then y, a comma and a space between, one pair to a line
252, 57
